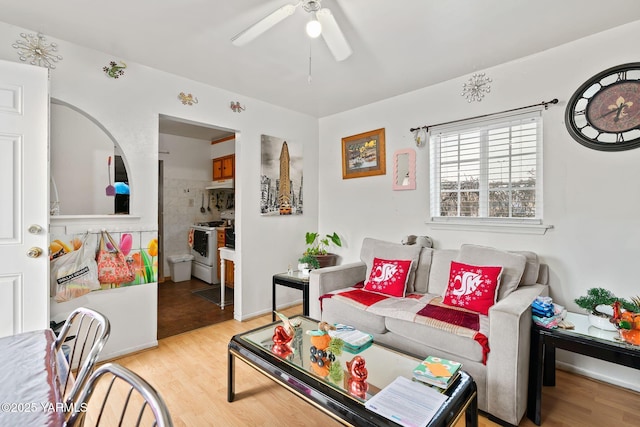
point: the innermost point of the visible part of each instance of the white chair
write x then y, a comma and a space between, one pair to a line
117, 391
90, 331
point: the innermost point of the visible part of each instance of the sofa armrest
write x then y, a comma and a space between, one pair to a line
328, 279
508, 362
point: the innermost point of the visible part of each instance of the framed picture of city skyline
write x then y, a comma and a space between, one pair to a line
363, 154
280, 176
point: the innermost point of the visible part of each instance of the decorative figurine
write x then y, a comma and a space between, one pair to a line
284, 333
357, 369
114, 70
627, 322
282, 350
357, 383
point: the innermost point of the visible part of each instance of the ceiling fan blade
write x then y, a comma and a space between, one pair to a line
333, 36
264, 24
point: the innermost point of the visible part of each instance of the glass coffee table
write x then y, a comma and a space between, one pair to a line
332, 391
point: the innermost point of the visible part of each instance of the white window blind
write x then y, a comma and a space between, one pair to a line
488, 169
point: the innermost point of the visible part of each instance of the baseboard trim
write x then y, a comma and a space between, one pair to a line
597, 376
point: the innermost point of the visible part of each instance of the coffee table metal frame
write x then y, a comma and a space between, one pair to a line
348, 410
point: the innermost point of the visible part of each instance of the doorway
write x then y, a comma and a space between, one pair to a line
185, 169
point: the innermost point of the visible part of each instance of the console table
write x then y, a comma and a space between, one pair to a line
584, 339
295, 280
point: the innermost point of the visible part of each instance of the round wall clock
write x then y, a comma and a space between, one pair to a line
604, 113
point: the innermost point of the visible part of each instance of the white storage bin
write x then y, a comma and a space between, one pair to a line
180, 267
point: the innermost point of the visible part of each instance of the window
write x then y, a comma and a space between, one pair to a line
489, 169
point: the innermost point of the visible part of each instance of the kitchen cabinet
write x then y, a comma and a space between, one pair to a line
224, 167
228, 265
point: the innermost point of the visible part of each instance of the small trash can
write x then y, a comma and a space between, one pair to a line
180, 267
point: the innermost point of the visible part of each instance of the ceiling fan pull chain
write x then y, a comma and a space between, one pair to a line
309, 77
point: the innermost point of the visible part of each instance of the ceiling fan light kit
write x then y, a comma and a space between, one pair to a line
323, 22
314, 28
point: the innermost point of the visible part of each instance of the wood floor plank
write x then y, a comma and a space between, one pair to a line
190, 372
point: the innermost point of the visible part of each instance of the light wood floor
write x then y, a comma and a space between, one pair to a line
190, 372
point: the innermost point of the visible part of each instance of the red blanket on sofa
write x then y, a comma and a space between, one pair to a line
424, 309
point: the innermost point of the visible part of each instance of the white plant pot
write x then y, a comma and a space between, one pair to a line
601, 323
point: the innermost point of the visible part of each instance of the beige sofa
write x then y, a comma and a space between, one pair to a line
502, 376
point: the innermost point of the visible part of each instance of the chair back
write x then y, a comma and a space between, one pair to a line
81, 339
123, 398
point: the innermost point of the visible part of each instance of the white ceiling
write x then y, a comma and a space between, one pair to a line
398, 46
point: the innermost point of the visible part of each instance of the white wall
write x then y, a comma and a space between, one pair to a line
81, 184
187, 170
223, 148
590, 197
129, 108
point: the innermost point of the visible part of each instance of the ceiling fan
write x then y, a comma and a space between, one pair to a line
328, 27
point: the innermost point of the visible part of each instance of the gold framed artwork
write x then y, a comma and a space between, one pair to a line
363, 155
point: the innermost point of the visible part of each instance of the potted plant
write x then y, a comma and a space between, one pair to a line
307, 262
598, 302
317, 247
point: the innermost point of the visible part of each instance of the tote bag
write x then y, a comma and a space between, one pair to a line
74, 274
113, 266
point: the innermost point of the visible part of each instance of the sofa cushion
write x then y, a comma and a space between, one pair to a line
374, 248
512, 264
437, 338
472, 287
440, 266
389, 276
531, 269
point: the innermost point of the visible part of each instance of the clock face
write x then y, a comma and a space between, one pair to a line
604, 113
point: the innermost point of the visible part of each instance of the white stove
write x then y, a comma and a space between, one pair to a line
203, 249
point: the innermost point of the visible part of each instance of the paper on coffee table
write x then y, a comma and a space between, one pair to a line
408, 403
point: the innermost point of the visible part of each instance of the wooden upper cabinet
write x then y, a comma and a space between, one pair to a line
224, 167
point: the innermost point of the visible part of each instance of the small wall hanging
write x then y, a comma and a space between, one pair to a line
236, 107
114, 70
476, 88
420, 136
187, 99
35, 50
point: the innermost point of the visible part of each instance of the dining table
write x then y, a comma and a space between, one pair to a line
30, 372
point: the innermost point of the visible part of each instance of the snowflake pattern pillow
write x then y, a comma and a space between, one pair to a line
472, 287
388, 277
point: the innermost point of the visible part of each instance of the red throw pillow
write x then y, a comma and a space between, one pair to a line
388, 277
472, 287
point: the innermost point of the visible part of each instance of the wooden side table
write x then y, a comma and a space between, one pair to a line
584, 339
294, 280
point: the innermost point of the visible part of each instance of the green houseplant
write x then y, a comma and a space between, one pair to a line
318, 249
598, 299
599, 296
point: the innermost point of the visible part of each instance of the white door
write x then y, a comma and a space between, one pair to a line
24, 199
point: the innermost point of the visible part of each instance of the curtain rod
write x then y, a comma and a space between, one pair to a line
545, 104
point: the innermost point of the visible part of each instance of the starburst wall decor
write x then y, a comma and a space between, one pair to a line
36, 50
476, 88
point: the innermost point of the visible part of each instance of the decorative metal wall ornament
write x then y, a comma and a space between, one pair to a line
36, 50
420, 136
476, 88
187, 99
236, 107
114, 70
